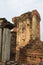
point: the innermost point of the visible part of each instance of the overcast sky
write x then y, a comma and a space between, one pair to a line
12, 8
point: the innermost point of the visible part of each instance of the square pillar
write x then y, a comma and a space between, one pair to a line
0, 43
6, 45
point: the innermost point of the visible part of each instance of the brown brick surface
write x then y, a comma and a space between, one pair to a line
29, 50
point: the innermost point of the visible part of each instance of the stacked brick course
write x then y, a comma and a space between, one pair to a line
29, 48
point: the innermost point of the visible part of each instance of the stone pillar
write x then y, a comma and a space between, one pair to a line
0, 40
6, 45
0, 43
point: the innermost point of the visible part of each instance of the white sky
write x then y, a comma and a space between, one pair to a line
12, 8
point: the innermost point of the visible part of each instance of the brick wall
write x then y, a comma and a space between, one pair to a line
28, 46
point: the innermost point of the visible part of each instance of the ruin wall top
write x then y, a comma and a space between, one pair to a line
27, 15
